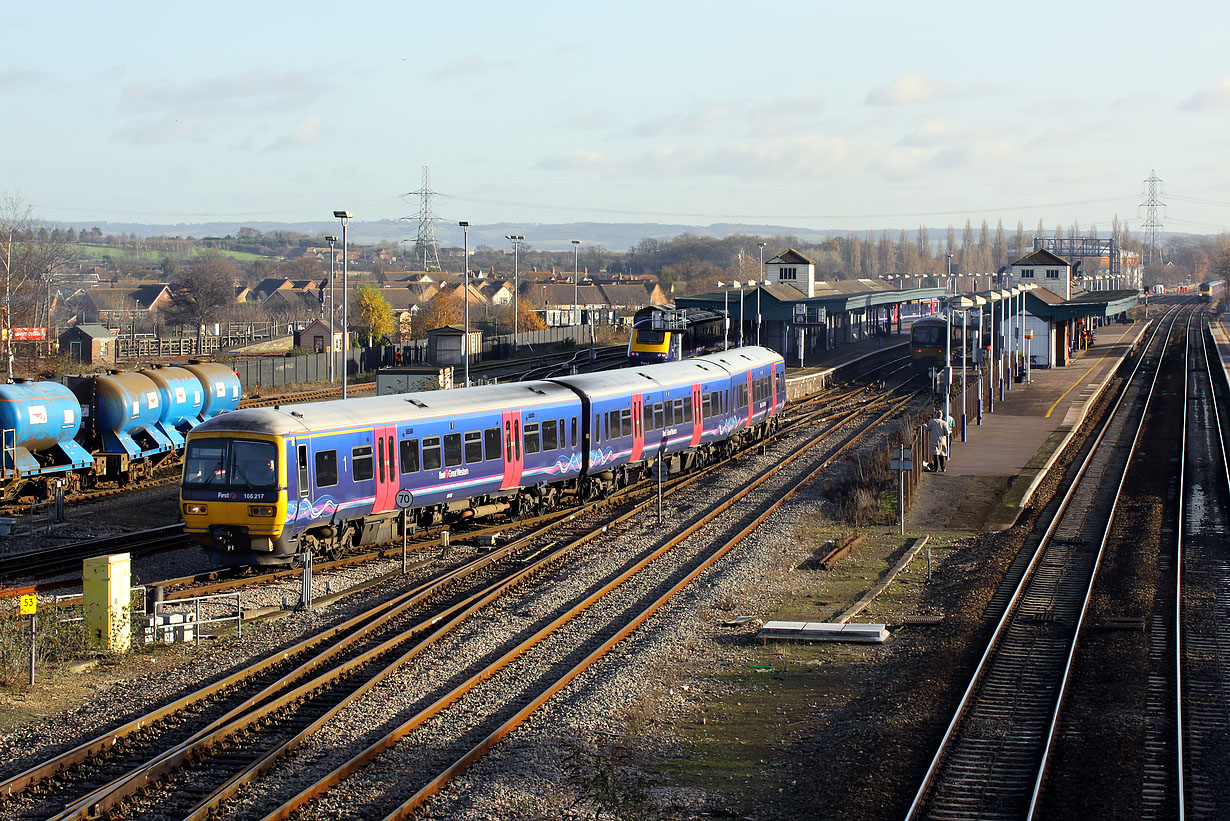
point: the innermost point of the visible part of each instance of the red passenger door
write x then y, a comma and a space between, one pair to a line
514, 459
698, 420
638, 426
386, 470
751, 398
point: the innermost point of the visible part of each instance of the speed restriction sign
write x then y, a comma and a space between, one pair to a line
404, 499
29, 605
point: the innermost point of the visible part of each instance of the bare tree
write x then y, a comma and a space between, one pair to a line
203, 291
31, 258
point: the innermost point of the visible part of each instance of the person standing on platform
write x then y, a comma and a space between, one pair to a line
938, 431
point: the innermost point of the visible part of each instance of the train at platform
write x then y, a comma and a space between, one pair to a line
929, 342
97, 430
661, 333
1211, 290
262, 485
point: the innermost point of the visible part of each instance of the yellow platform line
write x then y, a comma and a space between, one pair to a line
1079, 380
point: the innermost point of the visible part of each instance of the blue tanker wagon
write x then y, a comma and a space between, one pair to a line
261, 485
104, 428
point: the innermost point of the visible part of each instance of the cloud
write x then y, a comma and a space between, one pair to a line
308, 131
14, 79
468, 66
596, 120
578, 159
935, 131
908, 89
735, 116
169, 130
1209, 99
257, 85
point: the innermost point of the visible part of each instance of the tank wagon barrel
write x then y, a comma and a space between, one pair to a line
112, 427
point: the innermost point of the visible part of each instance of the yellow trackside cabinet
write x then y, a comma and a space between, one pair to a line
107, 600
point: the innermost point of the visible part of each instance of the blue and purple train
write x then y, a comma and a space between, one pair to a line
263, 484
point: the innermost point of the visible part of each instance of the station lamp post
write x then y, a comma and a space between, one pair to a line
760, 285
465, 286
345, 217
576, 280
725, 316
516, 240
992, 296
332, 313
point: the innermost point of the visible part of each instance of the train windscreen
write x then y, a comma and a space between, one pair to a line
929, 335
230, 463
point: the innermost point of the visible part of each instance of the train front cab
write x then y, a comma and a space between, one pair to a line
648, 345
234, 495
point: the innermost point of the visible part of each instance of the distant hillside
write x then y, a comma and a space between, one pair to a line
613, 236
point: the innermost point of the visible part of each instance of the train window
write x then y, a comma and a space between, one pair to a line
380, 456
491, 437
625, 421
706, 409
326, 468
431, 453
452, 450
687, 410
517, 438
550, 435
574, 431
361, 467
597, 428
659, 416
668, 413
474, 446
678, 411
532, 439
606, 427
409, 455
646, 418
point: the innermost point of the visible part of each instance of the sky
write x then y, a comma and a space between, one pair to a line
849, 116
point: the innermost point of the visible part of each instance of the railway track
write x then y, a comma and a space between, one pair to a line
994, 752
252, 703
1202, 593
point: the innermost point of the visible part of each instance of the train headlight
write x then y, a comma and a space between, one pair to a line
261, 510
195, 508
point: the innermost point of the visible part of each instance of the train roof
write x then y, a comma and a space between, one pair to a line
622, 380
668, 374
748, 356
387, 410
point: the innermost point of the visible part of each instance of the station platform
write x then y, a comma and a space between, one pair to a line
1221, 336
991, 477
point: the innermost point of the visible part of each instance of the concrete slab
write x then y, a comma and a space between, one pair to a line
824, 631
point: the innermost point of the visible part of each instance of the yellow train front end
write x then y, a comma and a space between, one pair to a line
233, 496
648, 346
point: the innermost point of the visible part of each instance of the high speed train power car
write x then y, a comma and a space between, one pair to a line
261, 485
